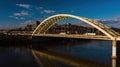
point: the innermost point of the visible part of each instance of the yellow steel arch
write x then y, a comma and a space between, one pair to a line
50, 21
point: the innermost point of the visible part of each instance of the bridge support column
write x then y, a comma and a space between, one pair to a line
114, 44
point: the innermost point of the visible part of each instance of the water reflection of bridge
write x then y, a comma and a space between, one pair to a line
69, 60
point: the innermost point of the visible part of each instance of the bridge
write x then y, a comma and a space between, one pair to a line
46, 24
52, 20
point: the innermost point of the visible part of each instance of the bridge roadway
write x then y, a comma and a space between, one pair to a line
78, 36
75, 36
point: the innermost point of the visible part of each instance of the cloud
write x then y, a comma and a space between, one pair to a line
115, 22
22, 18
39, 8
15, 17
48, 11
22, 13
28, 6
24, 5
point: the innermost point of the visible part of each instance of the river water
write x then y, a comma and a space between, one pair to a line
64, 53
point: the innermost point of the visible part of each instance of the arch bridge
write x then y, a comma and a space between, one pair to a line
46, 24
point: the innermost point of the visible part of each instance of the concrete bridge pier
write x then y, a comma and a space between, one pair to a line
114, 51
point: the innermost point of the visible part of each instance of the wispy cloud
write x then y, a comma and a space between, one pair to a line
115, 22
30, 12
15, 17
22, 13
35, 8
39, 8
24, 5
22, 18
48, 11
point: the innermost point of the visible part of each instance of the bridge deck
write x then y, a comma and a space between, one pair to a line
99, 37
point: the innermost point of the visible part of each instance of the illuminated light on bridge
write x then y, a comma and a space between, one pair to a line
46, 24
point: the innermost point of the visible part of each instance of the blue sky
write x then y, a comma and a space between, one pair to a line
15, 13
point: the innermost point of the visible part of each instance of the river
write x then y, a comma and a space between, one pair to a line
64, 53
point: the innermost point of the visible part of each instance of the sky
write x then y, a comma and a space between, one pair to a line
15, 13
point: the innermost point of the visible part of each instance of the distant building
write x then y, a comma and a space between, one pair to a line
35, 25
